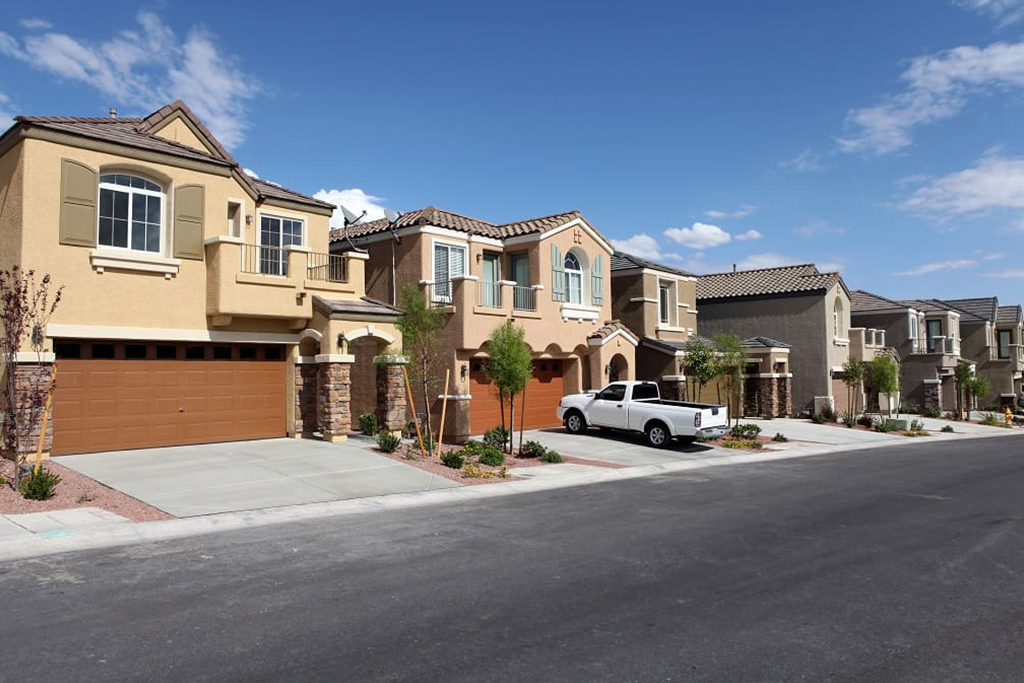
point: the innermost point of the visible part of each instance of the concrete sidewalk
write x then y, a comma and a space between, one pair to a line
57, 523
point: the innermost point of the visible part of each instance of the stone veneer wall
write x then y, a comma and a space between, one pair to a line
32, 377
334, 411
932, 395
305, 398
391, 396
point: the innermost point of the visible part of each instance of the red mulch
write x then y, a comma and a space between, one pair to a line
71, 491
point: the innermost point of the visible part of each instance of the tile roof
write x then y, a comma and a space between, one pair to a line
764, 342
442, 218
364, 306
275, 191
1009, 314
623, 261
609, 328
866, 302
765, 281
985, 307
752, 343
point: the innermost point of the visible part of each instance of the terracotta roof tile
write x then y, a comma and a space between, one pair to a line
765, 281
866, 302
980, 307
1009, 314
431, 215
623, 261
609, 328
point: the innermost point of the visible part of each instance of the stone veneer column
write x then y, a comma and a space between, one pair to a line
751, 391
30, 378
391, 394
932, 394
306, 375
785, 397
334, 395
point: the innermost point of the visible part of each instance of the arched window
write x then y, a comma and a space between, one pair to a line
837, 318
131, 212
573, 278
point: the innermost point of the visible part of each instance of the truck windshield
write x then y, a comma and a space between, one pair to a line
642, 391
613, 392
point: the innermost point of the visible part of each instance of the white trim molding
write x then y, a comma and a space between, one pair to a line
166, 334
579, 312
601, 341
931, 381
644, 299
123, 259
335, 358
311, 334
368, 331
29, 357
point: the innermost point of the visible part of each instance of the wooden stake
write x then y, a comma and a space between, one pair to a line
415, 419
46, 419
444, 407
522, 417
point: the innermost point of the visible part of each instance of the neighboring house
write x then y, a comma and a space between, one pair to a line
659, 303
806, 309
548, 275
200, 303
992, 341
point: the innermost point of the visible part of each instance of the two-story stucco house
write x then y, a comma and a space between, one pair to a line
659, 304
549, 275
991, 339
798, 305
200, 304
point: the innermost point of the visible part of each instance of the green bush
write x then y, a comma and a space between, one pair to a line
551, 457
990, 420
532, 449
780, 438
948, 429
819, 418
742, 443
453, 459
881, 425
745, 431
848, 419
368, 423
932, 411
916, 426
950, 415
388, 442
865, 421
496, 437
491, 456
39, 485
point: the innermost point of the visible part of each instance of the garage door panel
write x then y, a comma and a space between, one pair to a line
543, 392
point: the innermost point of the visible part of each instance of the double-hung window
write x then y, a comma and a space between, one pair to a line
664, 303
131, 213
276, 233
573, 278
1004, 343
449, 262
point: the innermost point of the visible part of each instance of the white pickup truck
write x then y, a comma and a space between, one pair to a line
638, 407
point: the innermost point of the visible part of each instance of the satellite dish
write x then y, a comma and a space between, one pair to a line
350, 217
391, 215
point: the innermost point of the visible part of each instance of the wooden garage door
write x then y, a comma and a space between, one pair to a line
543, 392
121, 404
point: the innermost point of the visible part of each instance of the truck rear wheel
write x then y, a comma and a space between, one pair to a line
575, 423
657, 435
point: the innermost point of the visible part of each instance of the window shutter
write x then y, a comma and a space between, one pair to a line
597, 281
79, 186
557, 275
189, 208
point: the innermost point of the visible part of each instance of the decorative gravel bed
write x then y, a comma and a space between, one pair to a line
74, 490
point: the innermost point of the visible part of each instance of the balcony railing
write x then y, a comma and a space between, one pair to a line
937, 344
326, 267
261, 260
439, 294
489, 294
524, 298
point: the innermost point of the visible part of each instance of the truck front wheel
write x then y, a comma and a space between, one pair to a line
574, 422
657, 435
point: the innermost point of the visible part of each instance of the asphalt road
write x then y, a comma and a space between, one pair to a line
887, 565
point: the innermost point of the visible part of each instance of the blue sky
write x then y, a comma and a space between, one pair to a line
880, 138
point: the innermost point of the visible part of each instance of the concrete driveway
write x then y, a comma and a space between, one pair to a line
187, 481
620, 448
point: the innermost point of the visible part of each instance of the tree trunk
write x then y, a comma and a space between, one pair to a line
507, 446
501, 408
426, 403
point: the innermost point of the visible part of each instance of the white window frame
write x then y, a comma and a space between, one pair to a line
283, 262
664, 302
571, 273
131, 207
437, 296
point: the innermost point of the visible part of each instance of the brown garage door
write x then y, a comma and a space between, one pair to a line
111, 404
543, 392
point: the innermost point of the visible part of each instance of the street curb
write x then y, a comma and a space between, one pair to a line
38, 545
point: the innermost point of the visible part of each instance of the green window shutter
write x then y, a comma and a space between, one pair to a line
79, 186
597, 281
558, 292
189, 208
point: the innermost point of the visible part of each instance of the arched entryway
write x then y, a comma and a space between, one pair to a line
364, 345
618, 368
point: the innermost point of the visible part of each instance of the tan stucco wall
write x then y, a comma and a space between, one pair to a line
643, 317
11, 194
178, 131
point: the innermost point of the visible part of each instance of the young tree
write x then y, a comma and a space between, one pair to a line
962, 376
731, 360
26, 304
977, 389
700, 365
510, 366
885, 376
853, 377
420, 325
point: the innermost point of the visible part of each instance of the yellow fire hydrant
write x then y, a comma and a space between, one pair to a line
1008, 416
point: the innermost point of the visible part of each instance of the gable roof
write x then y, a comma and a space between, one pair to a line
985, 307
803, 278
935, 305
442, 218
866, 302
140, 133
764, 342
623, 261
1009, 314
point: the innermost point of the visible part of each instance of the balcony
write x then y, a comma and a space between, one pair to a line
866, 342
252, 280
475, 307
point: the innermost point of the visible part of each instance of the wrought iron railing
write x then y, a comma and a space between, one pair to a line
326, 267
260, 260
440, 293
489, 294
524, 298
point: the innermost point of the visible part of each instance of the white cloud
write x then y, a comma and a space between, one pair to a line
766, 260
1008, 274
937, 266
148, 67
748, 235
819, 229
6, 116
993, 183
742, 212
35, 24
700, 236
252, 173
993, 257
830, 266
353, 199
644, 246
804, 162
1005, 12
938, 89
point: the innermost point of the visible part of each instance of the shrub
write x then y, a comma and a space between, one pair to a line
865, 421
532, 449
551, 456
742, 443
916, 426
368, 424
848, 419
948, 429
819, 418
780, 438
950, 415
745, 431
932, 411
388, 442
472, 448
496, 437
491, 456
453, 459
829, 414
882, 426
906, 408
990, 420
39, 485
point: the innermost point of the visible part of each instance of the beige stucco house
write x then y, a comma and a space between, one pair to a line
548, 275
200, 303
659, 303
991, 339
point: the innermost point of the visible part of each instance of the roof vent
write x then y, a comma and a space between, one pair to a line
734, 268
113, 113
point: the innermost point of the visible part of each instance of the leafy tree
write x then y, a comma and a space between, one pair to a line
885, 376
700, 365
731, 360
509, 367
420, 325
853, 374
962, 376
977, 388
